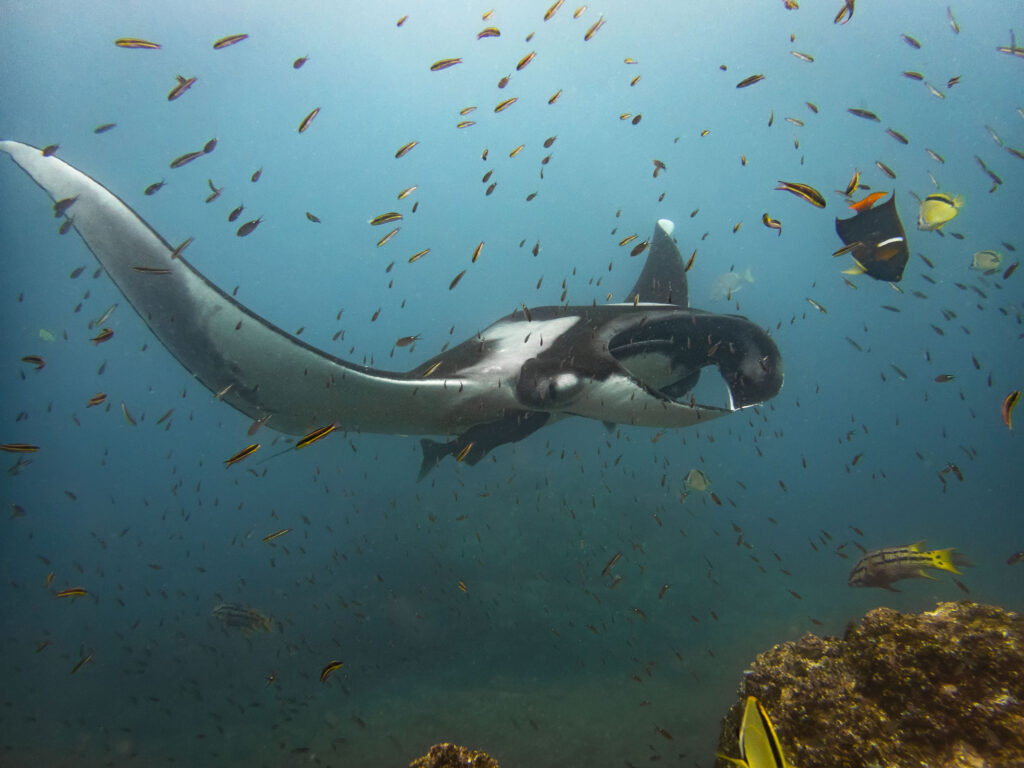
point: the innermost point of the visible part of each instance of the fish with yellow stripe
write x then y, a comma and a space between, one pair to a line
758, 743
881, 567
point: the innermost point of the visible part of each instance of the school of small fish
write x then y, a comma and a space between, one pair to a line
466, 538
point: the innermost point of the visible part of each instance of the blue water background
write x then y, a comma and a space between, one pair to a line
539, 661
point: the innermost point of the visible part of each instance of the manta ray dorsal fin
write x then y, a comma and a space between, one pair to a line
663, 279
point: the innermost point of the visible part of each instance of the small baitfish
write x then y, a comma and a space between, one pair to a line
242, 617
881, 567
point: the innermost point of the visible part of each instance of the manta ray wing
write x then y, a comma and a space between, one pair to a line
222, 343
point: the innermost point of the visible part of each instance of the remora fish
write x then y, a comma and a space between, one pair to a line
881, 567
629, 363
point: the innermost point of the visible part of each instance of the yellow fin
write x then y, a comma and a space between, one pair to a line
942, 559
758, 742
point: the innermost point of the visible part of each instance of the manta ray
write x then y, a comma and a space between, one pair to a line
632, 363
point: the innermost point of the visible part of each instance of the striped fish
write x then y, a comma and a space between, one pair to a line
881, 567
242, 617
758, 743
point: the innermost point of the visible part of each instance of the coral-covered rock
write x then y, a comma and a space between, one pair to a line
454, 756
943, 689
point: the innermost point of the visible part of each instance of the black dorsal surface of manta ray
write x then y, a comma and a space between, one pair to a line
628, 363
878, 240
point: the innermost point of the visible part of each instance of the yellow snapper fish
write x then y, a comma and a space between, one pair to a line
881, 567
987, 261
758, 744
938, 209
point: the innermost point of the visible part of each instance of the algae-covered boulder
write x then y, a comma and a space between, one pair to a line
943, 689
454, 756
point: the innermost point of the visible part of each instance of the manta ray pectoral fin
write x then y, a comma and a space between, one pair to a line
260, 369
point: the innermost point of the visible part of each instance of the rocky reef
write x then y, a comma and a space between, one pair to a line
453, 756
943, 689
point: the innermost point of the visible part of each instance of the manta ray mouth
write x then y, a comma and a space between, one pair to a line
667, 354
655, 362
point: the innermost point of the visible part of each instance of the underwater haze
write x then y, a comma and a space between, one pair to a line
484, 605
